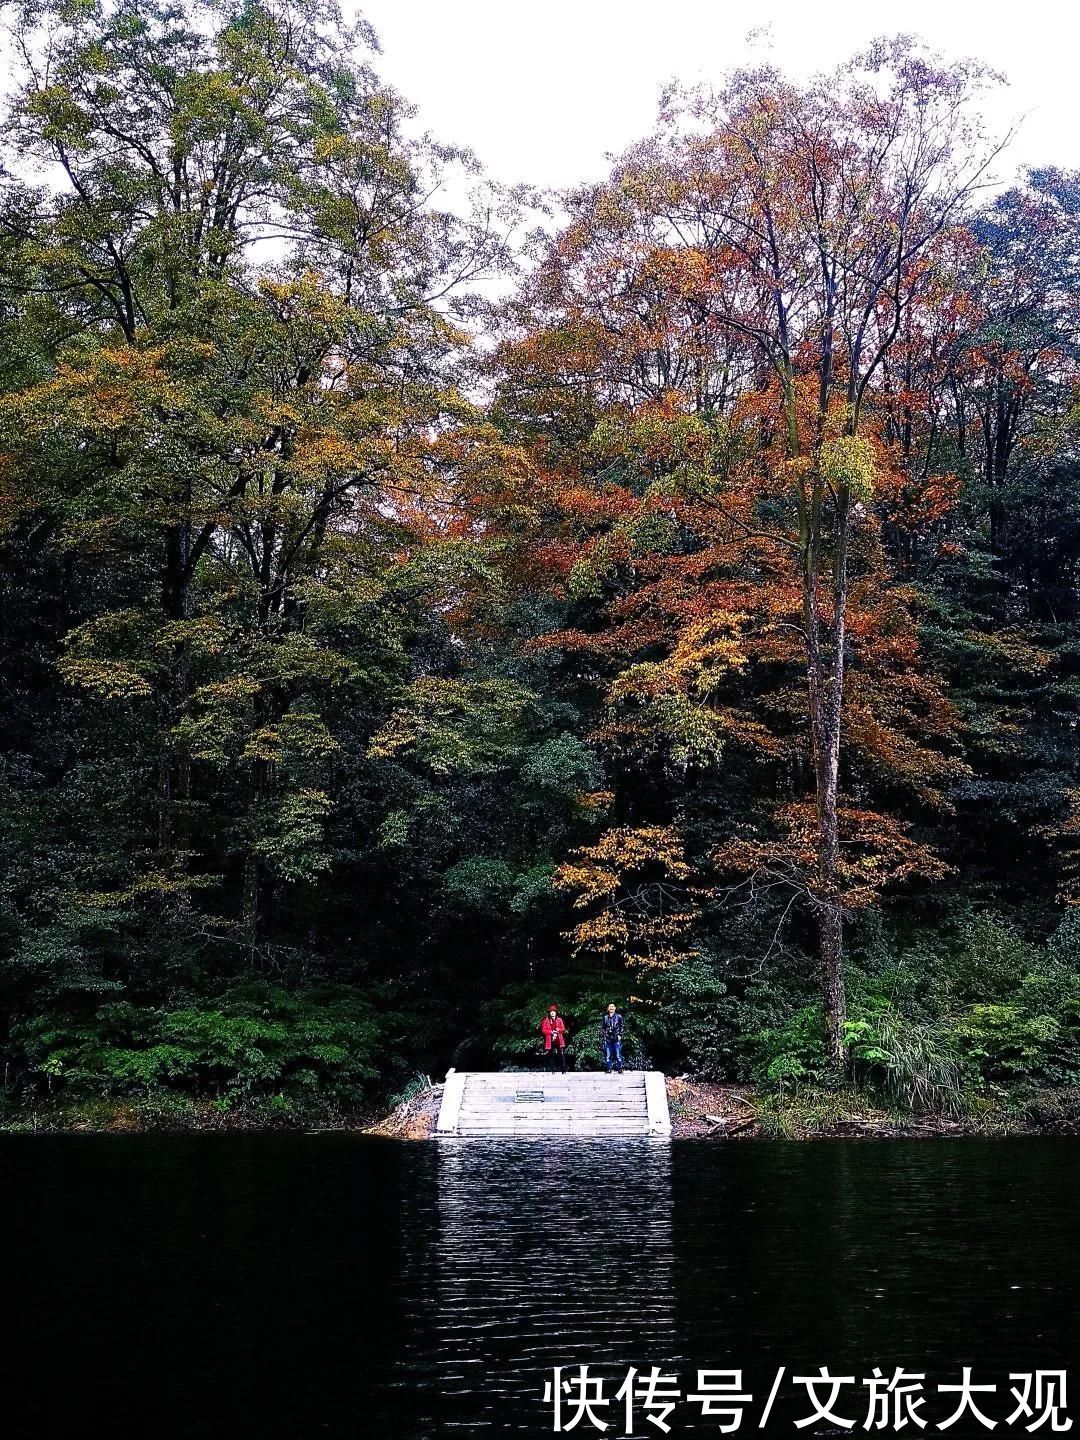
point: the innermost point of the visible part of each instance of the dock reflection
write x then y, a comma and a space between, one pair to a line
548, 1254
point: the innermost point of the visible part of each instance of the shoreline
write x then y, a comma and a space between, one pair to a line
700, 1110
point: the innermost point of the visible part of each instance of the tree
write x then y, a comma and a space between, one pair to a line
717, 319
239, 325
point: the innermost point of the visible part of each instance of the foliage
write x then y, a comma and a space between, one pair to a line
509, 1026
945, 1029
634, 883
699, 627
916, 1067
259, 1039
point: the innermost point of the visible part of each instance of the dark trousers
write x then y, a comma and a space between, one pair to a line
613, 1054
556, 1058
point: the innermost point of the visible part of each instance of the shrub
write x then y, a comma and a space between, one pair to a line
700, 1019
913, 1066
1005, 1042
257, 1039
792, 1052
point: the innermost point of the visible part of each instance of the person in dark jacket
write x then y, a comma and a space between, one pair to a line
611, 1035
553, 1029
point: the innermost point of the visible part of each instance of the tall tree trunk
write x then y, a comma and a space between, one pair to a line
174, 771
825, 683
830, 917
249, 905
825, 680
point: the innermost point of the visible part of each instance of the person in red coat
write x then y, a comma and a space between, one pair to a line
553, 1029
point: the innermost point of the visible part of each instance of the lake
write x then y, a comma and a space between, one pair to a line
333, 1285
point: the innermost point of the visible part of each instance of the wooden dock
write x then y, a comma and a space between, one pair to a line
583, 1102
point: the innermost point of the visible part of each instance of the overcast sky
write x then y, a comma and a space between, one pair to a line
541, 89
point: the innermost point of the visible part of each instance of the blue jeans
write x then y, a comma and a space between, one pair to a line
613, 1054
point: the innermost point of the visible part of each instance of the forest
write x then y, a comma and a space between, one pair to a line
424, 600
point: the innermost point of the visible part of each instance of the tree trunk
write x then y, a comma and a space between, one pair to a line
174, 782
829, 908
249, 915
825, 678
831, 925
831, 974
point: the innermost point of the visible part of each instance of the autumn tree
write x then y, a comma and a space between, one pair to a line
717, 319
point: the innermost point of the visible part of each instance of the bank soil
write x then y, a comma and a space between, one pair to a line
700, 1109
413, 1119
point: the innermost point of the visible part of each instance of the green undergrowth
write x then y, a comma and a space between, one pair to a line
170, 1113
808, 1111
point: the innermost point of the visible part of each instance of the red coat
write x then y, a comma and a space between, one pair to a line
553, 1031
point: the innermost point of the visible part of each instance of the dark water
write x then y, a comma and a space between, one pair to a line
337, 1286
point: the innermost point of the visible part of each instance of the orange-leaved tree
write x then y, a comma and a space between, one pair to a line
698, 364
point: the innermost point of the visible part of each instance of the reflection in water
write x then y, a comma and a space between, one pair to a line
289, 1287
548, 1254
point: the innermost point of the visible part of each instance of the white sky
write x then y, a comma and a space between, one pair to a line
541, 89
